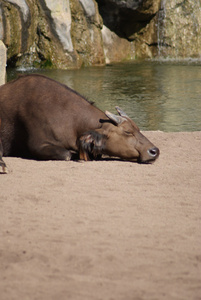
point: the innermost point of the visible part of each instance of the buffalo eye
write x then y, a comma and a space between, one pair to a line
128, 133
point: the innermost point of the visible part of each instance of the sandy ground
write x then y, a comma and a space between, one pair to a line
104, 230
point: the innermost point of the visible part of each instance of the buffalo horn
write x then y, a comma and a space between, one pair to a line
121, 112
116, 119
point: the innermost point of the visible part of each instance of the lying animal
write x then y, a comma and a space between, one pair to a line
44, 119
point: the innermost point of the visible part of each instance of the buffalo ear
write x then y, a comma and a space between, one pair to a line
91, 145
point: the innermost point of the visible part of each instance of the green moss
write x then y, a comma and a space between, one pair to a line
46, 64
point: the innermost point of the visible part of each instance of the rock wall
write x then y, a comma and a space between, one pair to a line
157, 28
47, 33
73, 33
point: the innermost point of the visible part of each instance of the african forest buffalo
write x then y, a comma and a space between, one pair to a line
44, 119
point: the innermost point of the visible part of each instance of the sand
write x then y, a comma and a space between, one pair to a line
110, 230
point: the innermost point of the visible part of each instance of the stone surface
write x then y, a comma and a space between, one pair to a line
70, 33
86, 32
2, 63
116, 48
61, 15
45, 36
89, 7
23, 7
179, 29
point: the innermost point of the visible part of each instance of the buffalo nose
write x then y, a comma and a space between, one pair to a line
153, 152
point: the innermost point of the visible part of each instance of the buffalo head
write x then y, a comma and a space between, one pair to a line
119, 137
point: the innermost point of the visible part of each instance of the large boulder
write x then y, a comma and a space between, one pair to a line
116, 48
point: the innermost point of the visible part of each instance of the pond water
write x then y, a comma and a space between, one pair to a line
156, 95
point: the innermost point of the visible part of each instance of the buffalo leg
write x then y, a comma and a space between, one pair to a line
52, 152
3, 168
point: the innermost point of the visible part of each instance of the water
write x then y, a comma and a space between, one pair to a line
157, 96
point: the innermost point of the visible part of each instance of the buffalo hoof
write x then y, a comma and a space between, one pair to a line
3, 169
68, 156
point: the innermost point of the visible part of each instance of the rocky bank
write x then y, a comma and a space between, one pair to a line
73, 33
